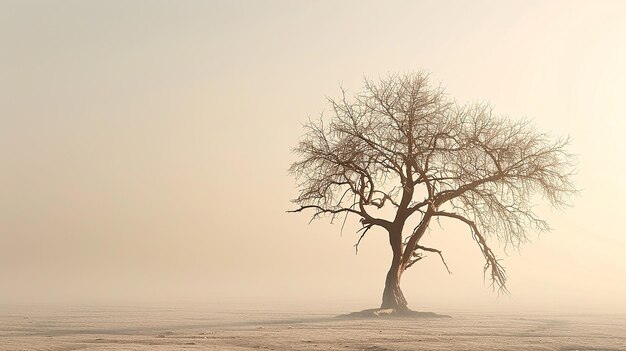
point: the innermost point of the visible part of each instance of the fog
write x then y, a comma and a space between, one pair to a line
144, 149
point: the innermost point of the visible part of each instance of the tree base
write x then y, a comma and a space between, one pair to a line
391, 313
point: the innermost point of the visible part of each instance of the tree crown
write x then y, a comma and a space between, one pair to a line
404, 144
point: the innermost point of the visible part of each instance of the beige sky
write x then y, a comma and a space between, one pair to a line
144, 148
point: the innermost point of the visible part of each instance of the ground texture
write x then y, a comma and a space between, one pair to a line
177, 329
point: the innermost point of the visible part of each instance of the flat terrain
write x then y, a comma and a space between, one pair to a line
190, 329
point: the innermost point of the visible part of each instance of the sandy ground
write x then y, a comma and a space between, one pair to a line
190, 329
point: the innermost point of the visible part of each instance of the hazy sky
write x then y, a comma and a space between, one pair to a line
144, 147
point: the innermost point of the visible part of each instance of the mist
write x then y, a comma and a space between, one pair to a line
144, 149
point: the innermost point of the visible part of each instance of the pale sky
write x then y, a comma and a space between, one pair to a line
144, 148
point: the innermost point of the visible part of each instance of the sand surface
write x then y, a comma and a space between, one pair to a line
196, 329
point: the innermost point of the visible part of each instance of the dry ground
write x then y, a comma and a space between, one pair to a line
177, 329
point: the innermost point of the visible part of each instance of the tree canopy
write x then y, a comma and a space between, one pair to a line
403, 144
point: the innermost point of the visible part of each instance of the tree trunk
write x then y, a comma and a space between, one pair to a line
392, 295
393, 298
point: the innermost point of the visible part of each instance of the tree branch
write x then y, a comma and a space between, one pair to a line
497, 272
424, 248
364, 229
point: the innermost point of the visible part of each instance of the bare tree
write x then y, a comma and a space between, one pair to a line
402, 144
